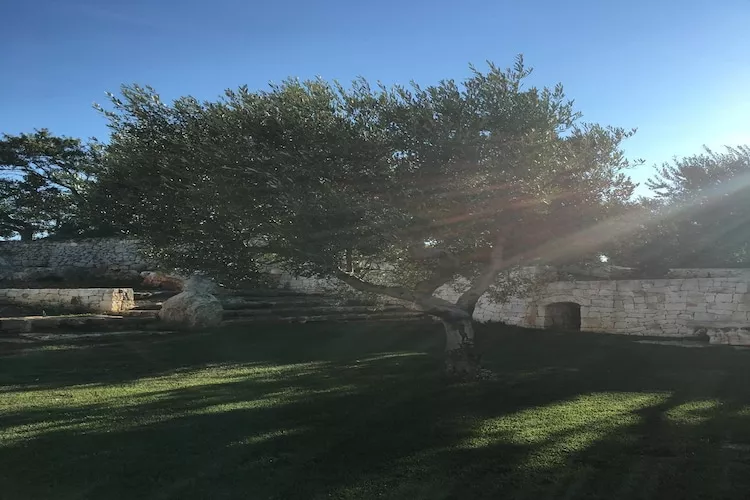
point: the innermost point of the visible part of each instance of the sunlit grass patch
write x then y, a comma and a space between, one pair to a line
568, 426
96, 408
694, 412
596, 413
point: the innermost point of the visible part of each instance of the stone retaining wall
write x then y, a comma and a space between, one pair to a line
710, 273
104, 253
661, 307
73, 299
666, 307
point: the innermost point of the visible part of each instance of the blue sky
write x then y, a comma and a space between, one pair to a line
679, 71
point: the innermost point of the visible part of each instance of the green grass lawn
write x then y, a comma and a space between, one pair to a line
361, 411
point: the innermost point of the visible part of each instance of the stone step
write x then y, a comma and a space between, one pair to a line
312, 311
290, 312
269, 292
300, 318
81, 323
35, 337
139, 295
139, 313
231, 303
247, 300
148, 305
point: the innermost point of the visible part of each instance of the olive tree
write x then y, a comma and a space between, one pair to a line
392, 190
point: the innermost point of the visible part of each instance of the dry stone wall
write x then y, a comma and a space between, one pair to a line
710, 273
665, 307
108, 254
74, 299
660, 307
90, 252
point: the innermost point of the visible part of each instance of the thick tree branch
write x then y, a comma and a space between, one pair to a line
447, 266
425, 253
441, 308
468, 300
396, 292
433, 306
439, 278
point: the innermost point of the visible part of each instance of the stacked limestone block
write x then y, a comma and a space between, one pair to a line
102, 300
667, 307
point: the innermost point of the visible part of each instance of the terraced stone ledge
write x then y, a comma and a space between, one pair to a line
99, 300
74, 323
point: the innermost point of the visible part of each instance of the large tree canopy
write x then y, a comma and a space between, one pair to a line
44, 180
393, 190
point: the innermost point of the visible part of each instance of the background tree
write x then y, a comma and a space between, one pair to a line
30, 206
395, 191
700, 216
44, 181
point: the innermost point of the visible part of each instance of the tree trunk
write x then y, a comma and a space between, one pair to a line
349, 261
461, 358
26, 234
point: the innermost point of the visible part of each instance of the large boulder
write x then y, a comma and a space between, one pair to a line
192, 311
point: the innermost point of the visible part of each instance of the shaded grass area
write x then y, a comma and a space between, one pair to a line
361, 411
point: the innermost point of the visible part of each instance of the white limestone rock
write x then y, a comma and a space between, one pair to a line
192, 311
729, 335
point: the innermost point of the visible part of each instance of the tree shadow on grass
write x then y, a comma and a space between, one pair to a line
327, 413
658, 455
114, 359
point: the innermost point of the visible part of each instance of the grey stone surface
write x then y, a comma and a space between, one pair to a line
105, 254
734, 335
72, 299
192, 311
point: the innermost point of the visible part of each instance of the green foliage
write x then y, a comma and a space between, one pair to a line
701, 214
30, 206
317, 177
44, 180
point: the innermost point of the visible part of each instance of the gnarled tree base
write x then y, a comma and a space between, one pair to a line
463, 363
461, 359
